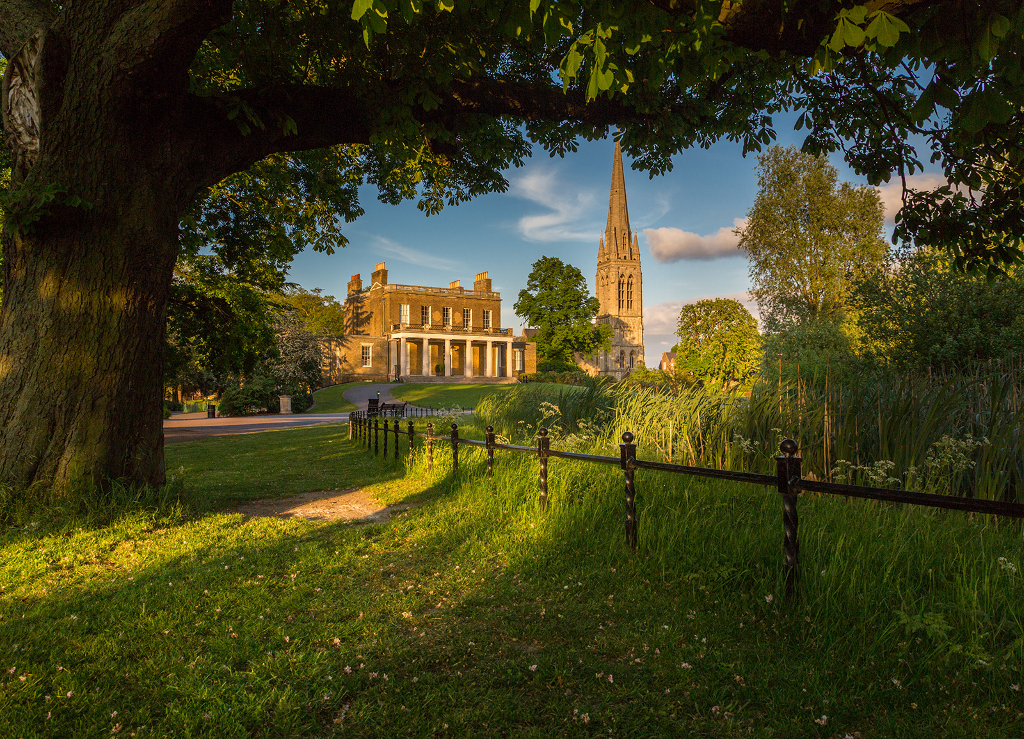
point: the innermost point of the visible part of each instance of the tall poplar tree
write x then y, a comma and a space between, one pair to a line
808, 237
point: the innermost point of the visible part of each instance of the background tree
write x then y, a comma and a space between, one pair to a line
557, 302
922, 312
718, 341
318, 312
121, 115
297, 364
808, 238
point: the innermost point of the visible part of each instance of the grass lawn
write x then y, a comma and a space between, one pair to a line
330, 400
440, 395
475, 615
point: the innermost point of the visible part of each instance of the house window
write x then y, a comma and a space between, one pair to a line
446, 317
366, 355
425, 315
629, 293
519, 357
403, 313
487, 319
467, 317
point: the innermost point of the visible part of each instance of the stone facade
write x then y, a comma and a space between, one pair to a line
412, 333
619, 286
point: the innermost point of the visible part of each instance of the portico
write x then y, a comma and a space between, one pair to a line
456, 354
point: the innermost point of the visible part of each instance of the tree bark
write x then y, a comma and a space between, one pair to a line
81, 338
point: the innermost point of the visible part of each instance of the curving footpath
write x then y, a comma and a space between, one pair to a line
191, 426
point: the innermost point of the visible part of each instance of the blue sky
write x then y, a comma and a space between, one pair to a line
558, 207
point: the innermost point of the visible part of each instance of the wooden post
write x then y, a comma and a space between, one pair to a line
787, 469
490, 451
376, 429
543, 444
385, 438
455, 448
627, 455
430, 447
351, 420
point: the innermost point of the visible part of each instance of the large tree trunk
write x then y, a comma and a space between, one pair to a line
81, 338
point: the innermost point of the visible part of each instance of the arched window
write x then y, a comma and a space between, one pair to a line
629, 293
622, 359
622, 290
632, 359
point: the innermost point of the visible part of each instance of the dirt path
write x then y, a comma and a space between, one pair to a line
348, 505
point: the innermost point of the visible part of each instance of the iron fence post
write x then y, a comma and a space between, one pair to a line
455, 448
398, 430
627, 456
385, 438
490, 451
430, 447
543, 444
412, 435
787, 470
376, 431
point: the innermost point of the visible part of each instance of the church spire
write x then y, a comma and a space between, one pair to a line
617, 232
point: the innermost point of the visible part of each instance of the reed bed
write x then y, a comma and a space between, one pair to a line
957, 434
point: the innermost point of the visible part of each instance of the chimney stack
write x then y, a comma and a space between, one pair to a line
355, 284
482, 283
380, 275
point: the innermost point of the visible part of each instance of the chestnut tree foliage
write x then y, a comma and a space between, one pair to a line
137, 130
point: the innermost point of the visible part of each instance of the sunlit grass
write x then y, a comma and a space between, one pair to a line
331, 399
475, 614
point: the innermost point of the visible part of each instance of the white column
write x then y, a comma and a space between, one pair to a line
508, 358
426, 357
469, 358
447, 357
405, 356
489, 372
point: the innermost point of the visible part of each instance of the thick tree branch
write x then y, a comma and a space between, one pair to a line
158, 37
324, 117
19, 19
776, 26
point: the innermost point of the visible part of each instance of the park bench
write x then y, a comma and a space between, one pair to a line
396, 410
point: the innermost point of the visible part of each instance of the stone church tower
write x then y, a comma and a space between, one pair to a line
619, 286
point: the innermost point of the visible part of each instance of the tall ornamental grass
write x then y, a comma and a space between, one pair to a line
950, 434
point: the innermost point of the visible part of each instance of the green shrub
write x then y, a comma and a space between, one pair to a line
257, 395
577, 377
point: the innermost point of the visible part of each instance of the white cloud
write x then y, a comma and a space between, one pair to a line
673, 244
891, 192
570, 211
413, 256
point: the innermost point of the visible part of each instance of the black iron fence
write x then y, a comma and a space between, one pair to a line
370, 431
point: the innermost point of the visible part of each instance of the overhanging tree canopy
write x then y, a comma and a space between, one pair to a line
121, 115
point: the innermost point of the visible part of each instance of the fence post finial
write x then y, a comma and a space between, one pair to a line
787, 471
627, 456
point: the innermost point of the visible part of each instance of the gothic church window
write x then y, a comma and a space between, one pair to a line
622, 359
632, 360
622, 288
629, 293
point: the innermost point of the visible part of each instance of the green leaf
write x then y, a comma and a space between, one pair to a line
886, 28
359, 8
853, 35
534, 4
446, 5
999, 25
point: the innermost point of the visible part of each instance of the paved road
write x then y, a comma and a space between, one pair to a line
191, 426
